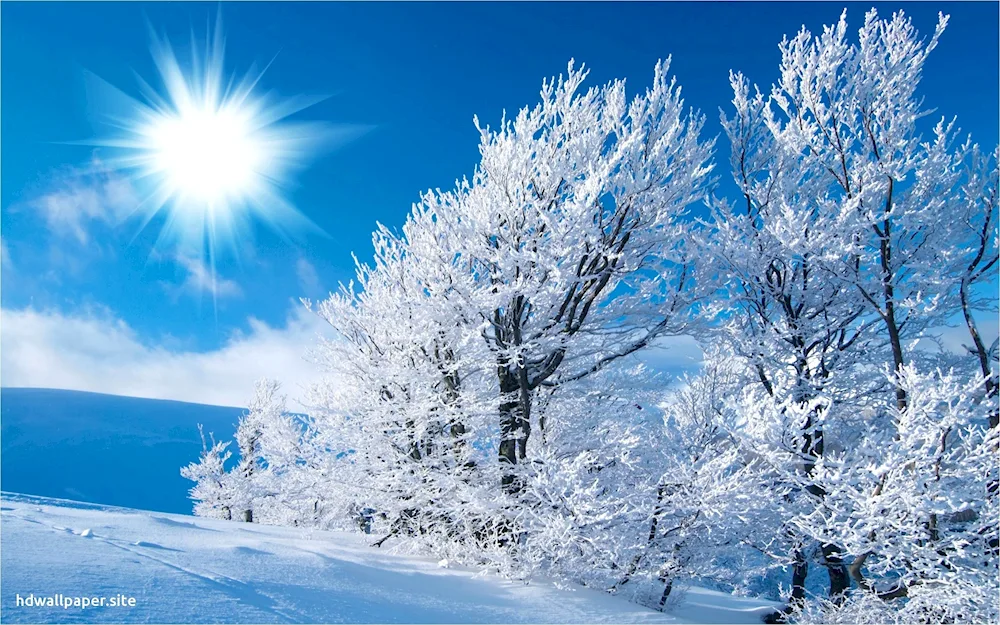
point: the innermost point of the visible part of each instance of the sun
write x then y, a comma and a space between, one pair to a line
210, 153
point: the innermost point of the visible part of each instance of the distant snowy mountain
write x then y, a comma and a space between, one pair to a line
106, 449
165, 568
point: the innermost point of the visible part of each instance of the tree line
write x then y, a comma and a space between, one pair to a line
484, 399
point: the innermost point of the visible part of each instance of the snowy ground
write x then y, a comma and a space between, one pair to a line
186, 569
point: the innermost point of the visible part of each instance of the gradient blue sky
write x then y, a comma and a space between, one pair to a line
77, 296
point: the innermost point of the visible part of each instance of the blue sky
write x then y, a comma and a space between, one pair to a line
81, 290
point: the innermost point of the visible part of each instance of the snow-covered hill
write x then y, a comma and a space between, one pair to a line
123, 451
183, 569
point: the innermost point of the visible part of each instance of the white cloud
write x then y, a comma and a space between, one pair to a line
201, 279
101, 353
79, 198
956, 338
673, 355
308, 278
82, 203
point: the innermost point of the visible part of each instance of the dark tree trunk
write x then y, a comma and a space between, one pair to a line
800, 569
666, 591
813, 446
982, 355
248, 516
513, 430
889, 296
840, 581
897, 348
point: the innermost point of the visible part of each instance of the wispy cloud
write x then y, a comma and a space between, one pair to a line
956, 339
96, 351
5, 261
78, 199
308, 278
84, 205
201, 279
673, 356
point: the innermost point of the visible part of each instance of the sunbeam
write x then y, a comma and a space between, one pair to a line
210, 153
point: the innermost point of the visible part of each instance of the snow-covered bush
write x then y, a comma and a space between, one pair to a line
212, 491
258, 488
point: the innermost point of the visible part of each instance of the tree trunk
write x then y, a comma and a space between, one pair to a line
897, 347
813, 447
800, 569
513, 429
840, 581
666, 591
982, 355
889, 296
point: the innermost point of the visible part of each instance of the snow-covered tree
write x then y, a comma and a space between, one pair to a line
573, 230
843, 250
258, 488
800, 331
482, 401
212, 491
513, 272
714, 506
917, 520
264, 426
978, 258
851, 115
393, 421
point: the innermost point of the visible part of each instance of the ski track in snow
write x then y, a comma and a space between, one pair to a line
189, 569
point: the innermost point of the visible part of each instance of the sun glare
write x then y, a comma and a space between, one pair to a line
210, 151
208, 155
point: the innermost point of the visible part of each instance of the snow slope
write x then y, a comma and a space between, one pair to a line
122, 451
188, 569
